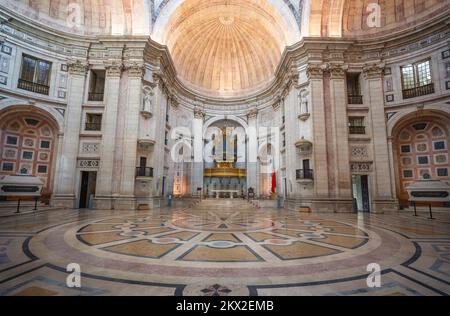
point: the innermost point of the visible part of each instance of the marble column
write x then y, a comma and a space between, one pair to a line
339, 144
252, 150
293, 134
131, 132
197, 126
65, 190
320, 163
104, 190
160, 126
383, 196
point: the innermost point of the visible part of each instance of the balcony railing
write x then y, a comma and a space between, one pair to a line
355, 99
359, 130
33, 87
93, 127
419, 91
144, 172
95, 97
304, 174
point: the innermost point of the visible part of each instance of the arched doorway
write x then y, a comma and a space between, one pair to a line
28, 142
421, 151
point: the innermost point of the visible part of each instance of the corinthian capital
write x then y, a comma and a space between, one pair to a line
315, 71
135, 69
337, 71
252, 114
113, 68
199, 113
374, 70
78, 67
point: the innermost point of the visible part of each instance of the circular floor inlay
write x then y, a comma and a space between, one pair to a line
256, 245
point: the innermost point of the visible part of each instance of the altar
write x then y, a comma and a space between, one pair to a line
225, 177
217, 193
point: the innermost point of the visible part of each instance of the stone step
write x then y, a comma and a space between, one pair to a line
224, 204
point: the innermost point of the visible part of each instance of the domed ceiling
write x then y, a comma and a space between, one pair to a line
226, 47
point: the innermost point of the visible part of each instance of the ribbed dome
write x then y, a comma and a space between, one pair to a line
226, 48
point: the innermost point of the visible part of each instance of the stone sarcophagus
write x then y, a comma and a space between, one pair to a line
20, 186
429, 191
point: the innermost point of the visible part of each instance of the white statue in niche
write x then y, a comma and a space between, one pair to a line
303, 100
148, 99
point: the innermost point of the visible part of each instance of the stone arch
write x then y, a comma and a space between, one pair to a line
219, 118
396, 120
420, 148
13, 106
29, 139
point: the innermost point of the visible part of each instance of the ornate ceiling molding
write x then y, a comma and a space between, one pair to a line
296, 10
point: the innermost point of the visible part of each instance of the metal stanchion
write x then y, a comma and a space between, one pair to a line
18, 207
431, 213
415, 209
35, 203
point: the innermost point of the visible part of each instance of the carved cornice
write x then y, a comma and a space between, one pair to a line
374, 71
174, 102
78, 67
277, 103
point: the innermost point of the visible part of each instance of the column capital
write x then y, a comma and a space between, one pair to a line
135, 69
199, 113
338, 71
315, 71
78, 67
374, 70
253, 113
113, 68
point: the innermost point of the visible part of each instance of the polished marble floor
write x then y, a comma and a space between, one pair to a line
223, 247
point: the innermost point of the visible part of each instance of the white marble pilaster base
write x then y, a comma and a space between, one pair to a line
103, 203
321, 205
384, 206
125, 203
63, 201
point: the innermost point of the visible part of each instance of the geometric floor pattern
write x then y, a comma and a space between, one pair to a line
213, 249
